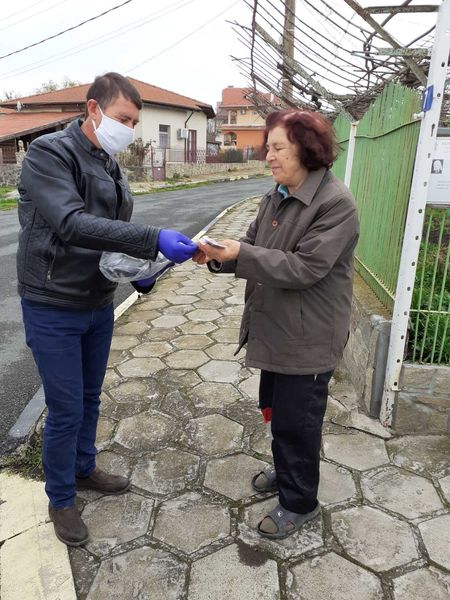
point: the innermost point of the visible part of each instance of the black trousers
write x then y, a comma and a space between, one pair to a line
298, 404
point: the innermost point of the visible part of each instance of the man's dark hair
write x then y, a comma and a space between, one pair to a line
106, 88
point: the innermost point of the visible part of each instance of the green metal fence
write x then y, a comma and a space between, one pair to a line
383, 164
429, 333
342, 130
385, 148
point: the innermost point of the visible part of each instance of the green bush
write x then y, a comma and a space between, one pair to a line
431, 265
233, 155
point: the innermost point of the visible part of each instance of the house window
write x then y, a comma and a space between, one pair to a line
164, 136
233, 117
230, 139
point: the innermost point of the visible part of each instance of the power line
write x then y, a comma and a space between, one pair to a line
182, 39
33, 15
66, 30
21, 10
141, 22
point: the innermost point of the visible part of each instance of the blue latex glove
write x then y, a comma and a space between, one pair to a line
175, 246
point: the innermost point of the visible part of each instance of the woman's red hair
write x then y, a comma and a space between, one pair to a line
310, 131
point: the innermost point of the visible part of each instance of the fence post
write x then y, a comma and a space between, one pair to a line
350, 152
416, 209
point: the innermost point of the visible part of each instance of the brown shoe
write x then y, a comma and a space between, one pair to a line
103, 482
69, 526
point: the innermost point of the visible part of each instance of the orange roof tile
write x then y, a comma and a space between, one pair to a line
21, 123
235, 96
149, 93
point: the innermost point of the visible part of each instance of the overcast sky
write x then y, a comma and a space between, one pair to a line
136, 39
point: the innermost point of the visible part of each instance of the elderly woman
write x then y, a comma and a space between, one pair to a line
297, 258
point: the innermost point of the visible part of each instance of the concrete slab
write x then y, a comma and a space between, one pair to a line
35, 565
222, 371
213, 395
336, 484
359, 450
436, 537
23, 504
147, 431
425, 454
166, 472
332, 577
248, 574
191, 522
427, 583
363, 531
400, 492
144, 574
231, 476
114, 520
213, 434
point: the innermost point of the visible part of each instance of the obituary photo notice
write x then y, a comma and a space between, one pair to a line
439, 183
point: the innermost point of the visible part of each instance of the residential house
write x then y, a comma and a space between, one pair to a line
168, 120
241, 124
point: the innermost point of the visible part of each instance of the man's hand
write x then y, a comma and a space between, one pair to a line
175, 246
206, 252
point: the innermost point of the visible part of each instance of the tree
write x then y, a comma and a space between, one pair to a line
51, 86
10, 94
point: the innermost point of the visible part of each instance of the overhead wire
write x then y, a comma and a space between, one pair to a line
33, 15
51, 37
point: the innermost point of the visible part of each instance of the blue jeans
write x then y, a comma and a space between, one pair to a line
70, 348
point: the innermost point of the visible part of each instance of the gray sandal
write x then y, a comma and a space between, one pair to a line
268, 481
286, 522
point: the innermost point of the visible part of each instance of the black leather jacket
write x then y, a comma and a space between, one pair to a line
74, 203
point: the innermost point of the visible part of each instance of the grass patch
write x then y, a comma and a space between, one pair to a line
7, 203
26, 461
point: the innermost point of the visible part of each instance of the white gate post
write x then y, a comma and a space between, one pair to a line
350, 153
416, 209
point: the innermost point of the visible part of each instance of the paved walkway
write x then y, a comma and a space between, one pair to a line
179, 416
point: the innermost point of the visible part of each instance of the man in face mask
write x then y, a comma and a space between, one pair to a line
75, 203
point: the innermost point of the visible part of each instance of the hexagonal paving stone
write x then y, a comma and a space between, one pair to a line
145, 573
231, 476
401, 492
250, 386
143, 316
374, 538
331, 577
214, 395
115, 520
197, 328
110, 462
227, 335
234, 572
151, 349
192, 342
145, 431
180, 299
214, 434
223, 371
178, 378
191, 522
166, 472
123, 342
261, 441
135, 328
422, 583
208, 304
140, 367
224, 352
445, 487
186, 359
308, 538
111, 379
436, 536
359, 450
129, 398
168, 321
105, 430
336, 484
158, 335
203, 315
424, 454
150, 304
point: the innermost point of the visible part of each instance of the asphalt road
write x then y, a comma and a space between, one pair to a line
188, 211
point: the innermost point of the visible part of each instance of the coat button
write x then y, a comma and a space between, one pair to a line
274, 223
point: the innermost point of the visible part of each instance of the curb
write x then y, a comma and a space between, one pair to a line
25, 425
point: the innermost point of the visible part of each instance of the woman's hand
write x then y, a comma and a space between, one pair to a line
206, 252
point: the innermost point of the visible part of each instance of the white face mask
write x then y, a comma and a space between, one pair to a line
112, 135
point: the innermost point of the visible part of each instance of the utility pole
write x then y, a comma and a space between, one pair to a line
288, 45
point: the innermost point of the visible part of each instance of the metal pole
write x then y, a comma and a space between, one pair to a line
288, 44
416, 210
350, 153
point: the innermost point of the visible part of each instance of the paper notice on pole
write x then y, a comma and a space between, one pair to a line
439, 183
